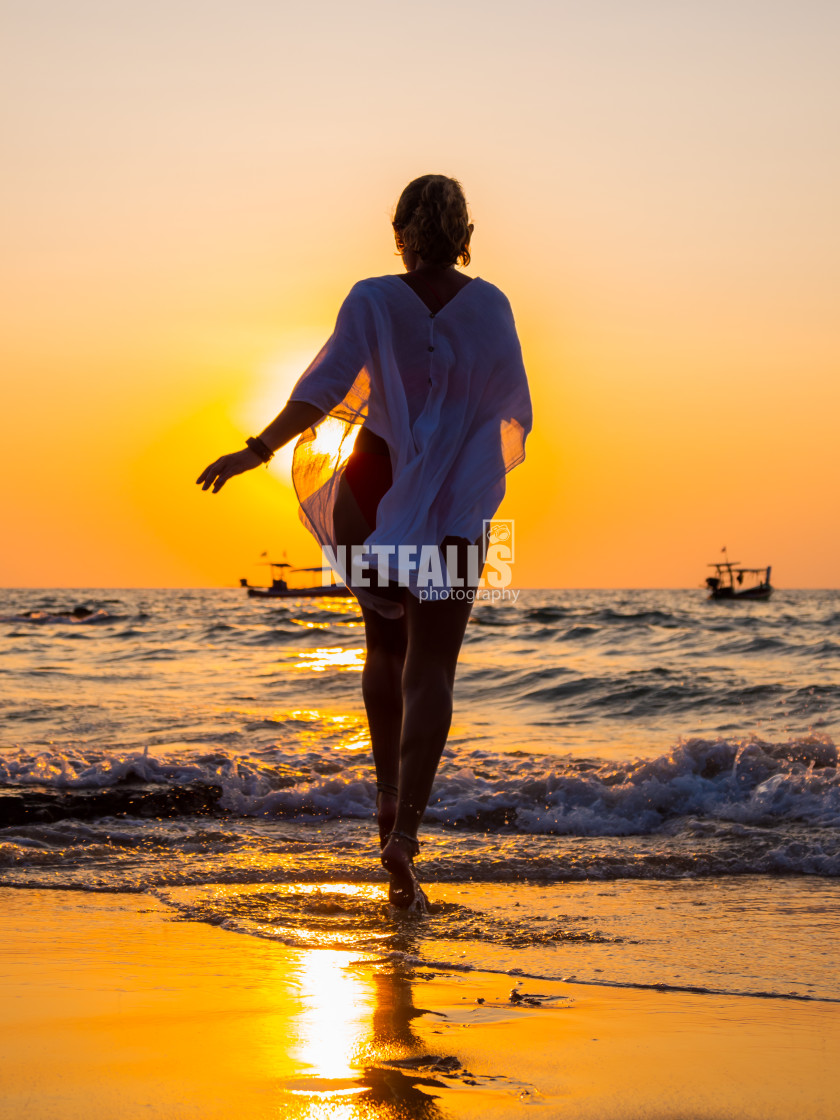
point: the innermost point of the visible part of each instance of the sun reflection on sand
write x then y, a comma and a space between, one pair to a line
327, 1107
357, 1049
338, 1008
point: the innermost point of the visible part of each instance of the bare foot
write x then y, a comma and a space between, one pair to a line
404, 891
386, 814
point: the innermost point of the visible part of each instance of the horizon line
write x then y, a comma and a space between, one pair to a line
237, 587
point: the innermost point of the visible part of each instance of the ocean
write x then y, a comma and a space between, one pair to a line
640, 787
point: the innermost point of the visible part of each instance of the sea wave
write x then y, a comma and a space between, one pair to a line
728, 780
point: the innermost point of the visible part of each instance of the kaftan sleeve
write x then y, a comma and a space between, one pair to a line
507, 397
336, 380
338, 383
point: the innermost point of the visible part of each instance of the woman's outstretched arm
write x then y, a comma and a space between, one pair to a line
295, 418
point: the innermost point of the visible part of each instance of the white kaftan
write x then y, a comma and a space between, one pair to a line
447, 392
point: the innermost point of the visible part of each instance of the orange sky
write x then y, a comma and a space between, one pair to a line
191, 190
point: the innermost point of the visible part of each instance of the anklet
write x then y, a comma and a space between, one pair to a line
412, 840
385, 787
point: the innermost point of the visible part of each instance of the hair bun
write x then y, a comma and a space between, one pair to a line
431, 219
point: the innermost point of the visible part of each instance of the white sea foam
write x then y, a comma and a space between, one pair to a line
748, 782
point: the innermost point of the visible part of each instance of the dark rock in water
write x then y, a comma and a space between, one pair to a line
12, 808
44, 806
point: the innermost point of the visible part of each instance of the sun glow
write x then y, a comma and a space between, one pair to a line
676, 313
334, 440
269, 390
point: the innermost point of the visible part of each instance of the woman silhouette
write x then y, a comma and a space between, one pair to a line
425, 370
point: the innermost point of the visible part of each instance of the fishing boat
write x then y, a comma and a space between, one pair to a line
733, 581
281, 589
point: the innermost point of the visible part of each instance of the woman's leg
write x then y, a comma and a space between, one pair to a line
385, 639
435, 633
382, 693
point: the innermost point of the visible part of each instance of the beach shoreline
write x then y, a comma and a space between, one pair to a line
115, 1008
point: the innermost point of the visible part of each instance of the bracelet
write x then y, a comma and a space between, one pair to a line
260, 449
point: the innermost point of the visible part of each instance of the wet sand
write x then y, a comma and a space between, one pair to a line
110, 1009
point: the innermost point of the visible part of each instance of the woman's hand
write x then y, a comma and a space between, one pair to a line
295, 418
217, 474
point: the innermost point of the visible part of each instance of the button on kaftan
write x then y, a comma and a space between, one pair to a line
445, 390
